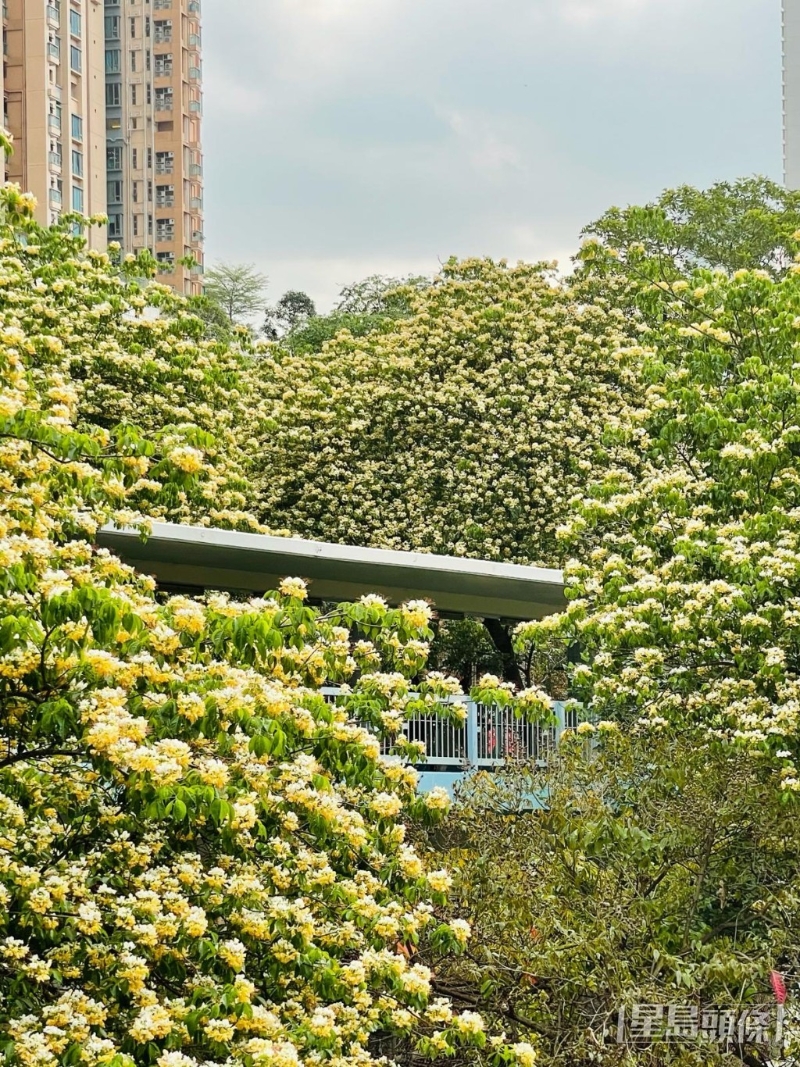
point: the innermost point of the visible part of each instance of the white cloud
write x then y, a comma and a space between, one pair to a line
348, 137
590, 12
493, 147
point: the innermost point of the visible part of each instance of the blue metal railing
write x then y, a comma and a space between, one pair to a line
488, 736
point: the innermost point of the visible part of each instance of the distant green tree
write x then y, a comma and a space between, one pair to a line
749, 224
379, 294
218, 325
238, 288
294, 309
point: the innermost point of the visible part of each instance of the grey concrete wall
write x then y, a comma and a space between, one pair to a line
791, 93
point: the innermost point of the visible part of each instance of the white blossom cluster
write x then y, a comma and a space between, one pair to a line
202, 860
464, 429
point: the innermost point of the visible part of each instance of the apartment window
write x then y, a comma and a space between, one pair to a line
75, 59
147, 59
113, 23
163, 65
136, 225
77, 163
165, 196
166, 261
135, 192
113, 94
165, 229
115, 226
162, 5
165, 127
134, 95
165, 162
54, 119
74, 22
149, 93
164, 99
133, 62
163, 31
77, 128
149, 225
114, 158
149, 158
77, 199
133, 29
113, 61
135, 158
115, 192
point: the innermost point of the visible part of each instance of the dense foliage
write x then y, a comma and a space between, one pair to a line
201, 859
749, 224
132, 359
659, 871
462, 428
684, 581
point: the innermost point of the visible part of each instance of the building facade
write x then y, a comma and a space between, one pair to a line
154, 161
54, 104
104, 101
791, 93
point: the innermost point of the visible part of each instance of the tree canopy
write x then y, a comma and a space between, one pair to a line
238, 288
749, 224
632, 869
463, 427
683, 581
134, 358
202, 857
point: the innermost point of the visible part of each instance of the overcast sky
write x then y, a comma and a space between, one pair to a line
348, 137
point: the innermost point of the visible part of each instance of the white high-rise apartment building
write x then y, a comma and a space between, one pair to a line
791, 93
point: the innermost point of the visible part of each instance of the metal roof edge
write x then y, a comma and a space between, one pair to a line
269, 545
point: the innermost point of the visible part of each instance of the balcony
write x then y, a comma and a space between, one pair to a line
54, 92
54, 51
195, 40
53, 16
55, 197
195, 74
194, 7
195, 169
54, 123
196, 202
195, 106
198, 236
55, 159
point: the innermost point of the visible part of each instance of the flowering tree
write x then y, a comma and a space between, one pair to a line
684, 584
462, 428
749, 224
202, 859
134, 355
